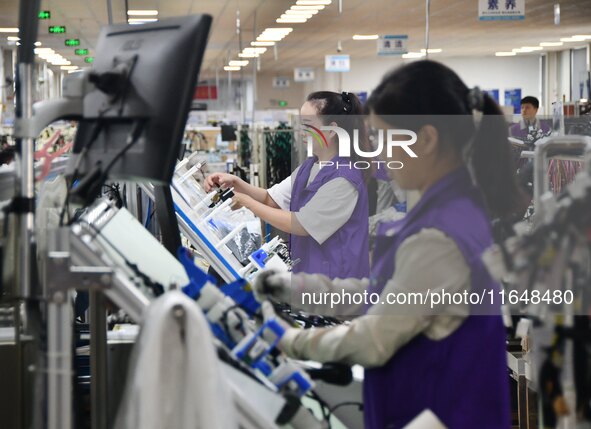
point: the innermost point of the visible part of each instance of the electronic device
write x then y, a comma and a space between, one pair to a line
144, 78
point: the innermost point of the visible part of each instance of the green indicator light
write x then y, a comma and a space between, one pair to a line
282, 103
72, 42
57, 29
89, 59
81, 51
44, 14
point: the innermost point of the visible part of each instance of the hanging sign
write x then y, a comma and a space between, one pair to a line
303, 74
280, 82
501, 10
391, 44
337, 63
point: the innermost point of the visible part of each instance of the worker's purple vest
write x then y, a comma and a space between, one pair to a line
462, 378
521, 133
346, 252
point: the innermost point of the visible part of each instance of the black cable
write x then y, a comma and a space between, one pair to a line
131, 140
346, 404
93, 136
324, 408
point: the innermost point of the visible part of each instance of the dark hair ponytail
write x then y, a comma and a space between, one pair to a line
492, 162
429, 93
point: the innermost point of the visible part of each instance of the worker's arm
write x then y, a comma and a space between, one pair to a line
298, 289
426, 262
283, 220
225, 180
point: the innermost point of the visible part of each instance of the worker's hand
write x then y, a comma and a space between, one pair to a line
220, 180
241, 200
272, 284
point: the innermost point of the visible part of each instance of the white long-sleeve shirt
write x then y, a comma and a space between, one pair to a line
426, 261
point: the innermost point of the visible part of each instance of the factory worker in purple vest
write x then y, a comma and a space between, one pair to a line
449, 359
323, 205
529, 125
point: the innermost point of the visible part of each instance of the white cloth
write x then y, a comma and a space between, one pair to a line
175, 384
327, 211
428, 260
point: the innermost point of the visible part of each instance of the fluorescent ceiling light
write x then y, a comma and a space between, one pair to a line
254, 50
8, 30
572, 39
301, 12
262, 43
61, 63
432, 51
147, 12
231, 68
37, 43
526, 49
278, 30
269, 38
582, 36
248, 55
505, 54
313, 2
238, 63
306, 16
413, 55
365, 36
13, 38
69, 67
141, 20
311, 7
43, 50
290, 21
549, 44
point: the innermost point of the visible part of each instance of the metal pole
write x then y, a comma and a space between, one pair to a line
427, 10
28, 325
217, 85
98, 360
59, 362
254, 70
110, 11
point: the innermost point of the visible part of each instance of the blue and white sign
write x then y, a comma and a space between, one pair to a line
303, 74
501, 10
494, 93
513, 98
337, 63
391, 44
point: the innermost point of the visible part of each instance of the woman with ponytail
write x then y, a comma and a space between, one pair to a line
323, 205
422, 350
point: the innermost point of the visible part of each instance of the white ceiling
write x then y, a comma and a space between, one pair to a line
454, 26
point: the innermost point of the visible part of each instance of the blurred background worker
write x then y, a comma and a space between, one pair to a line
529, 123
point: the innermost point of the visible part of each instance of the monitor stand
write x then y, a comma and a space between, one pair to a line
164, 206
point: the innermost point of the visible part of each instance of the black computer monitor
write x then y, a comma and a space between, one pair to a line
145, 77
228, 133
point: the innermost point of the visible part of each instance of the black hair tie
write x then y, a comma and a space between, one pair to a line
476, 99
347, 100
